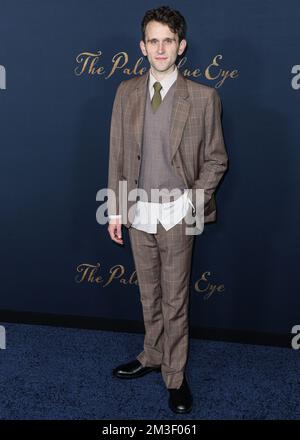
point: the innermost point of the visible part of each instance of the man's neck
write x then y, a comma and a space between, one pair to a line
159, 76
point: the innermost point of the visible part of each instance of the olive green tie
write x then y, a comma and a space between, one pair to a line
156, 99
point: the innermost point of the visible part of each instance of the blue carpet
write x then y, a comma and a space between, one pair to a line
60, 373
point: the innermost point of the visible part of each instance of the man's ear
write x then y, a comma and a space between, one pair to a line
182, 46
143, 48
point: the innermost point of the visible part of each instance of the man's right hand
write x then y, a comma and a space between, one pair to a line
115, 231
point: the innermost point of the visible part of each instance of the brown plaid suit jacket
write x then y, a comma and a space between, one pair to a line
198, 151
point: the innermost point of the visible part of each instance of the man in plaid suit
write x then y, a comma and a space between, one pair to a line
165, 134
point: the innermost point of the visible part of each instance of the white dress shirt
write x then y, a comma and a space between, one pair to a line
148, 214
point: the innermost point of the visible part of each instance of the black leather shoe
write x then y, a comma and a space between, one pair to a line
181, 400
133, 370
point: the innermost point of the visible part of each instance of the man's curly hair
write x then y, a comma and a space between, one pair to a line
165, 15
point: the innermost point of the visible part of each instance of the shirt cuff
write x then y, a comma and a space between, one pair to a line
117, 216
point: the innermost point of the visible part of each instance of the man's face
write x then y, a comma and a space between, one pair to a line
161, 47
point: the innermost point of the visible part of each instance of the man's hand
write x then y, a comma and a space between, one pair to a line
115, 231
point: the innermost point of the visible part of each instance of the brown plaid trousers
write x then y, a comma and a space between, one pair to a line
163, 265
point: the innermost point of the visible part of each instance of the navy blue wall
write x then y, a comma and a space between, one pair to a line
54, 121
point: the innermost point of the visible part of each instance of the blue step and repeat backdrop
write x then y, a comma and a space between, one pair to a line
60, 64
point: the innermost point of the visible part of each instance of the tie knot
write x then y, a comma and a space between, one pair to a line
157, 86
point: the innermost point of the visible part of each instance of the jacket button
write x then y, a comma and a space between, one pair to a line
139, 157
135, 181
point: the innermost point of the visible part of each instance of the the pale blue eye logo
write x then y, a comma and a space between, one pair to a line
2, 78
2, 338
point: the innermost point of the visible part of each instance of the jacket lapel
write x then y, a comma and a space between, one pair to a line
180, 112
138, 97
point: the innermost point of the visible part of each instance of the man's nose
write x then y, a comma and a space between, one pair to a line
161, 47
